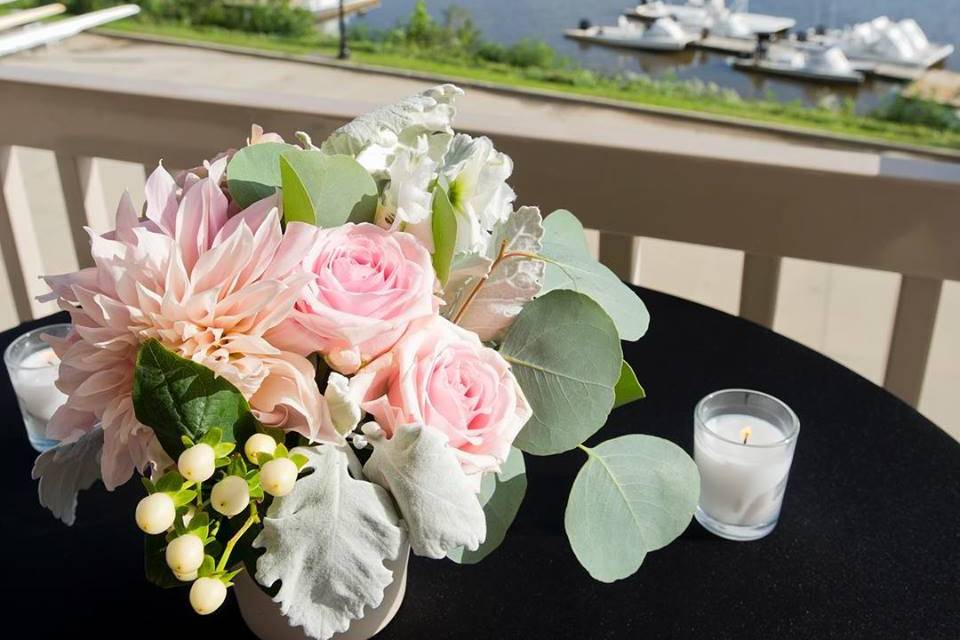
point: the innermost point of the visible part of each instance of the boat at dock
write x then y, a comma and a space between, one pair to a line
883, 41
660, 35
712, 15
802, 61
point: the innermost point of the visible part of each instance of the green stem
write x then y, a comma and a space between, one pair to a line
586, 450
251, 519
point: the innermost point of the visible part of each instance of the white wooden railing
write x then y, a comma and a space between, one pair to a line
859, 207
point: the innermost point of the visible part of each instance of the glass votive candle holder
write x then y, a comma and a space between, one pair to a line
743, 443
33, 367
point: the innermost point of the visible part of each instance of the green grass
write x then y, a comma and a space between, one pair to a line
663, 94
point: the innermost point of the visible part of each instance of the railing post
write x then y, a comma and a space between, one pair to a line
18, 238
912, 334
83, 195
618, 253
758, 288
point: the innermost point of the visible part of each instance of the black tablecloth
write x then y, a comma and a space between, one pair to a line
867, 545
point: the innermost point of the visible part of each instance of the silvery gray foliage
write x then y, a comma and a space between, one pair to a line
66, 470
326, 542
439, 505
429, 112
513, 283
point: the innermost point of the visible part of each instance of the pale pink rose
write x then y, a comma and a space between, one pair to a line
442, 377
208, 286
368, 285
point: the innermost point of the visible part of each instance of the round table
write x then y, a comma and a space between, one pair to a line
867, 545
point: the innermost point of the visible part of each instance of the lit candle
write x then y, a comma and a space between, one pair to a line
33, 369
35, 384
743, 447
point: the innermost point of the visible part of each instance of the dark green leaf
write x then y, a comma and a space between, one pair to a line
444, 226
212, 437
155, 563
170, 482
628, 387
175, 397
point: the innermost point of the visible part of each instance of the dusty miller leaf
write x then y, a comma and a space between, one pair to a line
513, 283
501, 494
66, 470
326, 543
437, 502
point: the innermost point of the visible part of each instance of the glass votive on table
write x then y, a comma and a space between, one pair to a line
743, 443
33, 366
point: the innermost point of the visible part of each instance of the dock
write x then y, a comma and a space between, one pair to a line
349, 7
719, 44
937, 85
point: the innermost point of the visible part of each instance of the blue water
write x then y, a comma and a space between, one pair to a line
509, 20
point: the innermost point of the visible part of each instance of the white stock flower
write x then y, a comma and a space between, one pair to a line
476, 177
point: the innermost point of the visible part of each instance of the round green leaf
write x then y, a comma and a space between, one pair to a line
565, 353
635, 494
326, 190
254, 172
501, 494
570, 266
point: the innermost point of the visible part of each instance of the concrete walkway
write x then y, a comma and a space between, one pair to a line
843, 312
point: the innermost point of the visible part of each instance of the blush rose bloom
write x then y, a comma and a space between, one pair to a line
442, 377
368, 285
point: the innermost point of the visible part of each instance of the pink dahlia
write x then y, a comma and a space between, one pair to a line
207, 285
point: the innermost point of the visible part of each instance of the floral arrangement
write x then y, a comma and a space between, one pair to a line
321, 357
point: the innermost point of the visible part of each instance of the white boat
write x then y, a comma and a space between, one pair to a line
713, 15
660, 35
884, 41
803, 61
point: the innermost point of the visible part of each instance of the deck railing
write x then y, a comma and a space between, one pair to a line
858, 207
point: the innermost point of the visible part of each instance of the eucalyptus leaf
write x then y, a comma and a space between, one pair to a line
635, 494
438, 504
253, 172
628, 388
176, 397
326, 190
570, 266
501, 494
66, 470
444, 227
565, 353
326, 543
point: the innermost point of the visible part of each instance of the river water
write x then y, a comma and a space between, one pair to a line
507, 21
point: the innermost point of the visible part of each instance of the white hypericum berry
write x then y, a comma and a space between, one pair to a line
186, 577
230, 496
185, 554
259, 443
155, 513
207, 594
278, 476
197, 463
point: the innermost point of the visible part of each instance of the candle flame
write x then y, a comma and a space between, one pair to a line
745, 434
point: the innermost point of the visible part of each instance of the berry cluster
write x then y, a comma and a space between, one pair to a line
188, 504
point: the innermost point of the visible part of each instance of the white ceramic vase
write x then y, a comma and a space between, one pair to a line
264, 619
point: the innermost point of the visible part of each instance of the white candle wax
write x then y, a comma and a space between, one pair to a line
34, 384
741, 484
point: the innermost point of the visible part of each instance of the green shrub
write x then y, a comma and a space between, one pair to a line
921, 112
